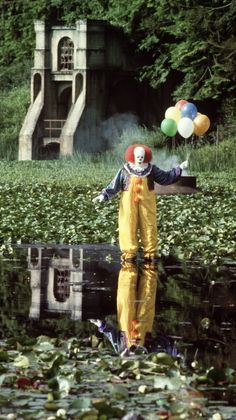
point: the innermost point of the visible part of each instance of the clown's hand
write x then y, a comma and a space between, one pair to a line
184, 165
99, 198
97, 322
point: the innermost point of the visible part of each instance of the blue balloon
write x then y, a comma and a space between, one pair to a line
189, 110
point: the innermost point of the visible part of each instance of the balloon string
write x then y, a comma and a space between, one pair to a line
188, 154
188, 150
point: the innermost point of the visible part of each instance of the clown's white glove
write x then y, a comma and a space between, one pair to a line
99, 198
97, 322
184, 165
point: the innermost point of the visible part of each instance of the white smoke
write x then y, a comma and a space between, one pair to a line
114, 128
165, 161
121, 130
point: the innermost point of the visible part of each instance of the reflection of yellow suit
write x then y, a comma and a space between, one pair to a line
136, 298
138, 210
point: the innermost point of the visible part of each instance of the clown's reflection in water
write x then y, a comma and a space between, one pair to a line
136, 296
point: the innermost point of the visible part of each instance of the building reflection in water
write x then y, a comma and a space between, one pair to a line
78, 282
87, 282
56, 283
60, 280
63, 282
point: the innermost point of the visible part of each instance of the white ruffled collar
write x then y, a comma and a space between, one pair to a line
138, 170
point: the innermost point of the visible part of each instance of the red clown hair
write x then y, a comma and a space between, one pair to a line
129, 153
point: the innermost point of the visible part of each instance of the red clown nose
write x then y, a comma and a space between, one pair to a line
129, 153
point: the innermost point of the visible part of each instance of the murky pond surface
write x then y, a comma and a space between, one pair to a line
55, 291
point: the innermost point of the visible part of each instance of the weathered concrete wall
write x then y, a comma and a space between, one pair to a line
30, 131
99, 86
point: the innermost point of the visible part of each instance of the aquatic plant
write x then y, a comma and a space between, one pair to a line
52, 202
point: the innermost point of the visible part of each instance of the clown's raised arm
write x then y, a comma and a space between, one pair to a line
166, 177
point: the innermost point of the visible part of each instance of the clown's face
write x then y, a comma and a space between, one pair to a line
139, 155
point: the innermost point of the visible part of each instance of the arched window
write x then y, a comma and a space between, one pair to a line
78, 85
37, 84
65, 54
34, 257
61, 286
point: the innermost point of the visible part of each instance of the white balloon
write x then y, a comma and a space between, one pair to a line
185, 127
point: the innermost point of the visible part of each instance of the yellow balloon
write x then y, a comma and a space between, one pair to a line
201, 124
173, 113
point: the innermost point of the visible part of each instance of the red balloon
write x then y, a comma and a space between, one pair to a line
180, 103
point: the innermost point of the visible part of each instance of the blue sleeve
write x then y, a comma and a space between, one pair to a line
166, 177
114, 187
115, 337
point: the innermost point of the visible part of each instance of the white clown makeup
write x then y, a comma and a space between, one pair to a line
139, 155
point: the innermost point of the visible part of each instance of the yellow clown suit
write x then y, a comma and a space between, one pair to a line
137, 210
136, 297
136, 304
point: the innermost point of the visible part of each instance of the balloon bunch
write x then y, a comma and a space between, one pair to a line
184, 118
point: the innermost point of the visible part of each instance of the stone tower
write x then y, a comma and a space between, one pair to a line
82, 75
56, 284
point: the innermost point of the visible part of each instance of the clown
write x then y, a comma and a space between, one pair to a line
137, 211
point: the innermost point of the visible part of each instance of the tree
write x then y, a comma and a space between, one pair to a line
194, 39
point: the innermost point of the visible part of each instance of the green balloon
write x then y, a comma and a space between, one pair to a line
169, 127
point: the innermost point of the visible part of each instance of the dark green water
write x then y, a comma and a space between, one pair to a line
54, 290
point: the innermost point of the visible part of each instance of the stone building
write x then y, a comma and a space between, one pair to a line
56, 284
75, 282
83, 91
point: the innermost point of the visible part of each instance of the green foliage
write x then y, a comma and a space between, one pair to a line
13, 282
228, 112
52, 202
13, 105
152, 137
188, 228
215, 157
15, 75
192, 40
17, 30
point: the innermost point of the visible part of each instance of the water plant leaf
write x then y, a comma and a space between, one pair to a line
163, 382
82, 403
34, 215
119, 391
21, 362
4, 357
